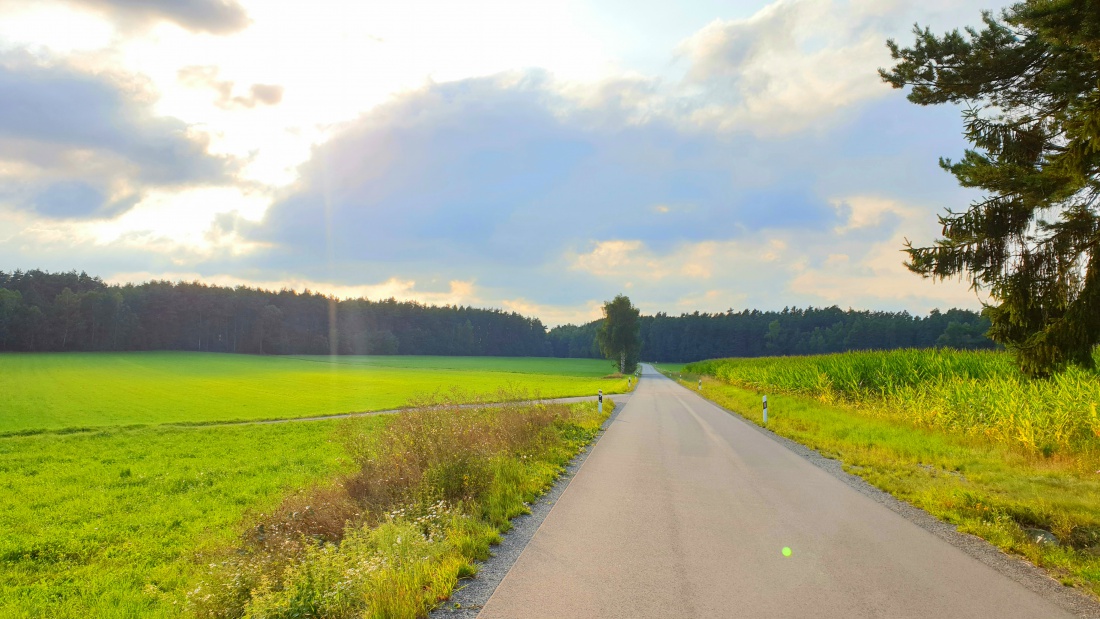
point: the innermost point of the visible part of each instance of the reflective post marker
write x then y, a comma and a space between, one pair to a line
765, 410
700, 384
601, 402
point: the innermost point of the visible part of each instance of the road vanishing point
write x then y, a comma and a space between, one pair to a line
684, 510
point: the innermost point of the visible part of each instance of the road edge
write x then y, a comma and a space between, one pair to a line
1017, 569
472, 594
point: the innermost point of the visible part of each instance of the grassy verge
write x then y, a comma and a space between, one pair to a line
994, 490
64, 391
977, 393
430, 493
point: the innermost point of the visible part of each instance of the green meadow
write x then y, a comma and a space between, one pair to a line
57, 391
115, 522
116, 492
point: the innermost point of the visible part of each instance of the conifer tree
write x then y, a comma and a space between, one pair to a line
1030, 82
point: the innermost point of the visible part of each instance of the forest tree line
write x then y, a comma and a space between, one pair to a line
42, 311
810, 331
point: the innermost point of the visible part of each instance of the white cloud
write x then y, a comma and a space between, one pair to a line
457, 292
869, 211
847, 266
81, 144
874, 272
46, 27
168, 221
703, 260
554, 315
713, 301
789, 66
229, 96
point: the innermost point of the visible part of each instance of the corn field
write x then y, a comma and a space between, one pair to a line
968, 392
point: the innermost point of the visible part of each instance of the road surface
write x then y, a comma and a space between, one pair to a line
683, 510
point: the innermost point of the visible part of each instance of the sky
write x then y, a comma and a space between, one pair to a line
700, 155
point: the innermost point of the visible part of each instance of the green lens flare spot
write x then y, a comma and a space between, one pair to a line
786, 551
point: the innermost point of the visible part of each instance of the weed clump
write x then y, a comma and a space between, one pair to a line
429, 493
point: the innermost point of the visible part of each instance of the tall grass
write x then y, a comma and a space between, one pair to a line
966, 392
430, 493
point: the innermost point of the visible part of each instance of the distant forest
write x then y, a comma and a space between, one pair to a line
810, 331
42, 311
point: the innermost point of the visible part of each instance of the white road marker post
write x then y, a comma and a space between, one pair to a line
601, 402
765, 410
700, 384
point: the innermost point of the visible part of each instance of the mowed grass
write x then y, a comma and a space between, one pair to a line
114, 523
44, 391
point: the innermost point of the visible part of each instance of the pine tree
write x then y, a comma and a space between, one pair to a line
1031, 85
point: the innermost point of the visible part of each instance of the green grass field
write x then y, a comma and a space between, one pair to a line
47, 391
119, 520
113, 523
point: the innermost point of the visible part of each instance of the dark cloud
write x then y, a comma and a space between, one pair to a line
89, 137
479, 172
68, 199
207, 77
213, 16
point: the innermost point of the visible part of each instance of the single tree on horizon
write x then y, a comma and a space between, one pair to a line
1030, 82
618, 335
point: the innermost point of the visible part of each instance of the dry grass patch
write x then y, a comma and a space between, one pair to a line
429, 494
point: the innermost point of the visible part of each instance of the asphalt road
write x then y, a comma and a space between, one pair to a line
682, 510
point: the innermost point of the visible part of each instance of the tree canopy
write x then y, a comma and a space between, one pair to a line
618, 335
1030, 83
42, 311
